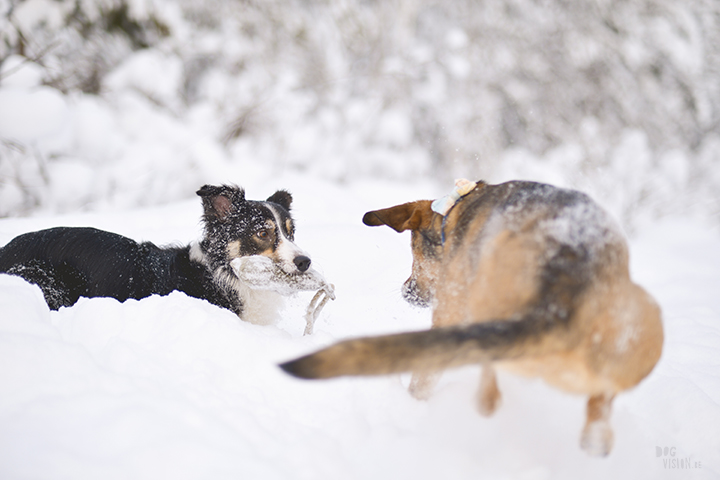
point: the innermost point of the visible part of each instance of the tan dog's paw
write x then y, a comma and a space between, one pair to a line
597, 438
487, 405
422, 385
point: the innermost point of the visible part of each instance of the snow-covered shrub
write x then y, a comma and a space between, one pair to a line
618, 98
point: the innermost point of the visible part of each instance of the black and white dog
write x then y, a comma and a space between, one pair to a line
245, 259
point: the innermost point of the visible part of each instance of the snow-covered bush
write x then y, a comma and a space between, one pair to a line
621, 99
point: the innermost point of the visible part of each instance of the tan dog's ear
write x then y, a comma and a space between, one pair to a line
408, 216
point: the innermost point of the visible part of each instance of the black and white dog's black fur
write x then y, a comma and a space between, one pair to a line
246, 256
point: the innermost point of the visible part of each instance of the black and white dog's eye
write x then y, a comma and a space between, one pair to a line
263, 234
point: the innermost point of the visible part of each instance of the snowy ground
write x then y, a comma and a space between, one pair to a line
173, 387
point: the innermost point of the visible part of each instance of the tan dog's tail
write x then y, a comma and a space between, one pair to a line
430, 349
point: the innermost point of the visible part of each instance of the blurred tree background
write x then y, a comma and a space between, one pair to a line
620, 98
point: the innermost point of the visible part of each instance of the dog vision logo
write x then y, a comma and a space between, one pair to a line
672, 461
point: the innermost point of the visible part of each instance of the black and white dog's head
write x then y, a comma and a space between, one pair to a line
236, 227
249, 247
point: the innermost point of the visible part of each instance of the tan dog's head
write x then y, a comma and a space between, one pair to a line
425, 226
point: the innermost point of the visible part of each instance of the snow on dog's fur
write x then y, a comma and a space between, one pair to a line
246, 259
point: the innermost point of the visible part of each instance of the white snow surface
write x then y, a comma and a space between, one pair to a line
174, 387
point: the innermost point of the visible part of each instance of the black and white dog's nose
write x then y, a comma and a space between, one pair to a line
302, 262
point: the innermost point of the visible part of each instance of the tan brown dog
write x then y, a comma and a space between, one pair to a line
521, 275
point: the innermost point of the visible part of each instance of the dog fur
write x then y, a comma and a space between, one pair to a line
523, 276
239, 234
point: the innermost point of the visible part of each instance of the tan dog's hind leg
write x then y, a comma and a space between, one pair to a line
597, 436
422, 384
488, 395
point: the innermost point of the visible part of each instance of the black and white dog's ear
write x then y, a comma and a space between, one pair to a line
282, 198
220, 201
